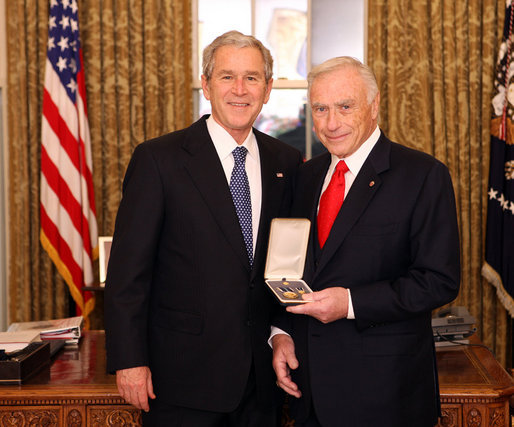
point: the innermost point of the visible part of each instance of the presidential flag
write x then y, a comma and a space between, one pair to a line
498, 268
67, 207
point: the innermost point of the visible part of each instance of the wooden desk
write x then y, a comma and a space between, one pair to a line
74, 391
474, 387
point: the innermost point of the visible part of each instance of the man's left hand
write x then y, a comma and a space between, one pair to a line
327, 305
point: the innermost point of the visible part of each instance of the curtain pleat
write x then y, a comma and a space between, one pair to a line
434, 62
30, 270
137, 61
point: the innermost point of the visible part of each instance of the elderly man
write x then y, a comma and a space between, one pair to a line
187, 312
383, 253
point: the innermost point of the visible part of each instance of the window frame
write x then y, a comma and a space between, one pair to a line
277, 83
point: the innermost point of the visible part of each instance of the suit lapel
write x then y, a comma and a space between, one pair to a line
267, 167
311, 193
271, 193
365, 186
206, 172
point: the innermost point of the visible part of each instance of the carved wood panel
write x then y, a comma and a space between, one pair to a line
485, 414
48, 416
498, 415
104, 416
70, 416
475, 415
451, 416
75, 416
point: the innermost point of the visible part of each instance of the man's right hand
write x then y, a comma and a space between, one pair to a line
135, 386
284, 359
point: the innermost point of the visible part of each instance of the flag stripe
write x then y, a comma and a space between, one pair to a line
61, 247
62, 120
62, 125
56, 213
68, 169
61, 190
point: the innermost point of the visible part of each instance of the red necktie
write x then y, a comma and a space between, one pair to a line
330, 202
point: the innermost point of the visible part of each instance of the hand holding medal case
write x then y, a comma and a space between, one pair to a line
285, 261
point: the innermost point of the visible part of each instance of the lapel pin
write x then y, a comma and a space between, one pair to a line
280, 175
371, 183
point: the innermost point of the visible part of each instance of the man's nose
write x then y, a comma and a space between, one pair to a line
239, 86
332, 119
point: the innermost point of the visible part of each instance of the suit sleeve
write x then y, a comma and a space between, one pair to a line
129, 275
433, 273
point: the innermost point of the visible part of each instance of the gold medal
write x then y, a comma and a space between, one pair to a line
290, 295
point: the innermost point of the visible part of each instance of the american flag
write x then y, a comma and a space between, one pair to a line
68, 217
498, 267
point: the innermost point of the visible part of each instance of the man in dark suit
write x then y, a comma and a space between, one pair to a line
360, 353
187, 313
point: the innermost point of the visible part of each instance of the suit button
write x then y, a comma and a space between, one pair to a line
248, 323
252, 285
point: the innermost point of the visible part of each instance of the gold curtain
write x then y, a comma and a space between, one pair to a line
434, 62
137, 61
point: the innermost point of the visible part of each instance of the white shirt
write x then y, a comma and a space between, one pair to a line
225, 144
354, 163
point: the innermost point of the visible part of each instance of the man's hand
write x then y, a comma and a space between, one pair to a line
327, 305
284, 359
135, 386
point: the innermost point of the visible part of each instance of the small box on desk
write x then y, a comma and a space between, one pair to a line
25, 363
285, 260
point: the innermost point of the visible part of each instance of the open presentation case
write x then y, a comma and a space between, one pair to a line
285, 260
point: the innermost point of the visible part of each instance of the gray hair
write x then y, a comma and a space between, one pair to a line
342, 62
239, 40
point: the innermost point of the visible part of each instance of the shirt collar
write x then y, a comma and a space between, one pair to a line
357, 159
225, 144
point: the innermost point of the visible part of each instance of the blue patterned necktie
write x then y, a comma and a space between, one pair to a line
240, 189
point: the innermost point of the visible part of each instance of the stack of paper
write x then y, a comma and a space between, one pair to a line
69, 329
14, 341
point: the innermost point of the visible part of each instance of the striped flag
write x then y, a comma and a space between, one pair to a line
498, 268
67, 207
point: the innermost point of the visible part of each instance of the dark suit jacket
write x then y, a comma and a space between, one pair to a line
395, 245
180, 296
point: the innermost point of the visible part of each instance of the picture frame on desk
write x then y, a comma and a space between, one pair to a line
104, 244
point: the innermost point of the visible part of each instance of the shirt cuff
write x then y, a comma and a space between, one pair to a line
275, 331
351, 314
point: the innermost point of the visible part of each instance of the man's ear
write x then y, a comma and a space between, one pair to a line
268, 91
205, 87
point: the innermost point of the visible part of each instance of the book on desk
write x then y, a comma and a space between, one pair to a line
68, 329
27, 347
